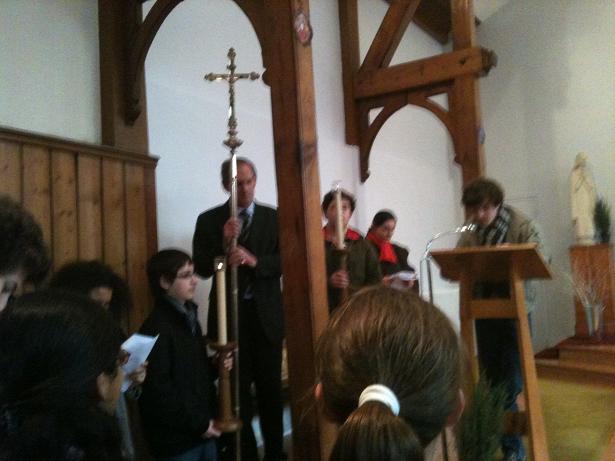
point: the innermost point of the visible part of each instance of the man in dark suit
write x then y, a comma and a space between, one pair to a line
261, 323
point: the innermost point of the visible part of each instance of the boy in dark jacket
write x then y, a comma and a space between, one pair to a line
178, 396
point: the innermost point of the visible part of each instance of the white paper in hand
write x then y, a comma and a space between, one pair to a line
139, 347
402, 280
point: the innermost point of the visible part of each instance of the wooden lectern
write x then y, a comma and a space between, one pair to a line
513, 263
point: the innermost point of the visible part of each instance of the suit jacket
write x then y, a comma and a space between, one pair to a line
263, 280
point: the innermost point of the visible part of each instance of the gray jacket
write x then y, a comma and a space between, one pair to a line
521, 230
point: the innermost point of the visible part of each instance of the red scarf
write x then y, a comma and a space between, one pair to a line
387, 253
351, 234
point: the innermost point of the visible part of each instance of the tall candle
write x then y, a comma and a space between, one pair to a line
339, 219
220, 268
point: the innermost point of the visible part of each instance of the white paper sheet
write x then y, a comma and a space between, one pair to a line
401, 280
139, 347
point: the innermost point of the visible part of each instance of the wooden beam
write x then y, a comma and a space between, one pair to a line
115, 18
349, 37
434, 17
465, 101
424, 72
302, 249
137, 50
390, 33
462, 23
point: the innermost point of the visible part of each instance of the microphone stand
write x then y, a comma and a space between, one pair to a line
426, 263
426, 258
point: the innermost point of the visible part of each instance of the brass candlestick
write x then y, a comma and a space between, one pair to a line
226, 420
342, 255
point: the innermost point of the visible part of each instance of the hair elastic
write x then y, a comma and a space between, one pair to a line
380, 393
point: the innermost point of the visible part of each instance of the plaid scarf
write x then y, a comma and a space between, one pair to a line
495, 233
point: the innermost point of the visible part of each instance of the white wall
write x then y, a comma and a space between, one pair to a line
49, 81
551, 96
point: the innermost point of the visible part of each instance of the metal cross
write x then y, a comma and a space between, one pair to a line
232, 141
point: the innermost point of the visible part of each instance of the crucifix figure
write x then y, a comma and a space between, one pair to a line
232, 141
226, 422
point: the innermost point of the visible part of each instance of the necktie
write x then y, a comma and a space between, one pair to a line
191, 315
245, 226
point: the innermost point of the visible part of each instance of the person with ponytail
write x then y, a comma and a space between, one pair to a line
393, 258
60, 379
389, 371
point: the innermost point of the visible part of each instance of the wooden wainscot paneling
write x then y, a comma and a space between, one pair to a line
10, 169
136, 245
92, 202
64, 215
36, 186
89, 205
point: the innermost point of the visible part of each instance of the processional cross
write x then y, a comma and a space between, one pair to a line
226, 421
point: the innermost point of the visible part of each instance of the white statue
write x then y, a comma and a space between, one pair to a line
583, 201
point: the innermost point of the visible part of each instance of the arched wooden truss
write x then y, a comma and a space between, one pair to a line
375, 84
141, 35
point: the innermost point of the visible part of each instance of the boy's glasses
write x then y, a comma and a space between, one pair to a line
186, 275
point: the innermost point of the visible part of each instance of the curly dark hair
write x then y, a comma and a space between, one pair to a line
22, 246
83, 276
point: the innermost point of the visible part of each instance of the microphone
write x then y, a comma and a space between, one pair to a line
467, 227
425, 260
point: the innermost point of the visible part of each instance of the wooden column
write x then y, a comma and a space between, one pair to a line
124, 126
290, 75
117, 21
465, 98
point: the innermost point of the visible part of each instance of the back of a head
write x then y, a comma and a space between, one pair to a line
393, 338
21, 242
53, 346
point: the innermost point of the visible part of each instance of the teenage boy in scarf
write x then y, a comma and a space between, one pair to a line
498, 223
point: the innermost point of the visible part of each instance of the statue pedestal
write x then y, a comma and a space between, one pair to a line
594, 263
